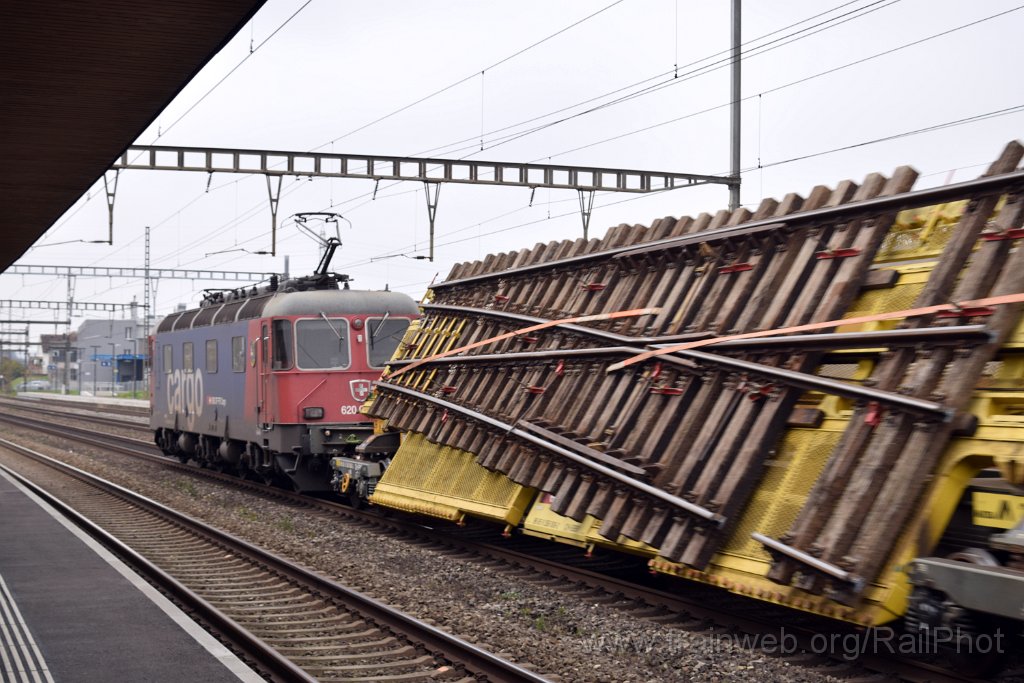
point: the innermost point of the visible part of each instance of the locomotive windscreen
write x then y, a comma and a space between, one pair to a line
385, 334
322, 343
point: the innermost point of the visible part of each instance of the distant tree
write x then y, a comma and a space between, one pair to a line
11, 370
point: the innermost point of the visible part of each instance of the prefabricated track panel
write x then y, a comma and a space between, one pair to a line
542, 408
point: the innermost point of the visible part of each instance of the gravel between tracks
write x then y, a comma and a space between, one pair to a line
566, 638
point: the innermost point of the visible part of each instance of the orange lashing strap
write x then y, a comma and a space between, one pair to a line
908, 313
526, 330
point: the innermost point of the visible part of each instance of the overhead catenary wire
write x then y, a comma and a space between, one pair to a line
252, 51
235, 68
476, 224
776, 163
673, 78
1016, 109
469, 77
790, 84
777, 88
872, 6
650, 89
687, 76
939, 126
293, 15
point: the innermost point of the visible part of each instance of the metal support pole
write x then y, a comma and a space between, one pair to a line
110, 188
113, 369
95, 366
432, 210
135, 362
147, 290
275, 196
586, 207
66, 385
734, 110
67, 336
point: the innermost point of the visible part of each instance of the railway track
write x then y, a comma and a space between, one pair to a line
83, 403
90, 413
619, 581
297, 625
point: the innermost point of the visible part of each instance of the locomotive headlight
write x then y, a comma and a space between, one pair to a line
312, 413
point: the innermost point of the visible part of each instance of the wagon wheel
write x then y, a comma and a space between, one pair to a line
980, 628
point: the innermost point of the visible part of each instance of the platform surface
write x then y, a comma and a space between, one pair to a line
71, 611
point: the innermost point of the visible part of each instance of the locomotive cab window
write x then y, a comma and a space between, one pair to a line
383, 337
282, 346
168, 359
238, 354
211, 356
264, 347
321, 343
186, 357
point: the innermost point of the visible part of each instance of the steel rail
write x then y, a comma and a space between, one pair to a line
263, 654
600, 351
619, 478
829, 386
691, 359
836, 340
682, 602
435, 640
857, 340
529, 320
811, 561
839, 341
906, 200
99, 419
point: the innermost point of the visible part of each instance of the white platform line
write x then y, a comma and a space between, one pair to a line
208, 642
31, 665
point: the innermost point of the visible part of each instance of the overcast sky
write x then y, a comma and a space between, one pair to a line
322, 70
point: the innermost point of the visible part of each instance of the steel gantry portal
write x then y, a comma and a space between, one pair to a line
430, 171
145, 274
137, 273
62, 305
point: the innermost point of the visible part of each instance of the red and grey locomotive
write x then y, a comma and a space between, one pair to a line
268, 382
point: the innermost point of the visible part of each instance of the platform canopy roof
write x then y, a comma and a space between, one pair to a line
79, 82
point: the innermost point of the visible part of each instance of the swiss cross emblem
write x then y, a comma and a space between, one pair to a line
360, 388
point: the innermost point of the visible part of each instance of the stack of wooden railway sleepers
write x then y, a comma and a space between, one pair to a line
583, 379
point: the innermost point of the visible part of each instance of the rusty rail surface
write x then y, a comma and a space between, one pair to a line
700, 427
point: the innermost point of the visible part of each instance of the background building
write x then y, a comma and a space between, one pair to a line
101, 357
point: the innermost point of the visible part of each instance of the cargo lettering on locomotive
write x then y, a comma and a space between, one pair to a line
185, 392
